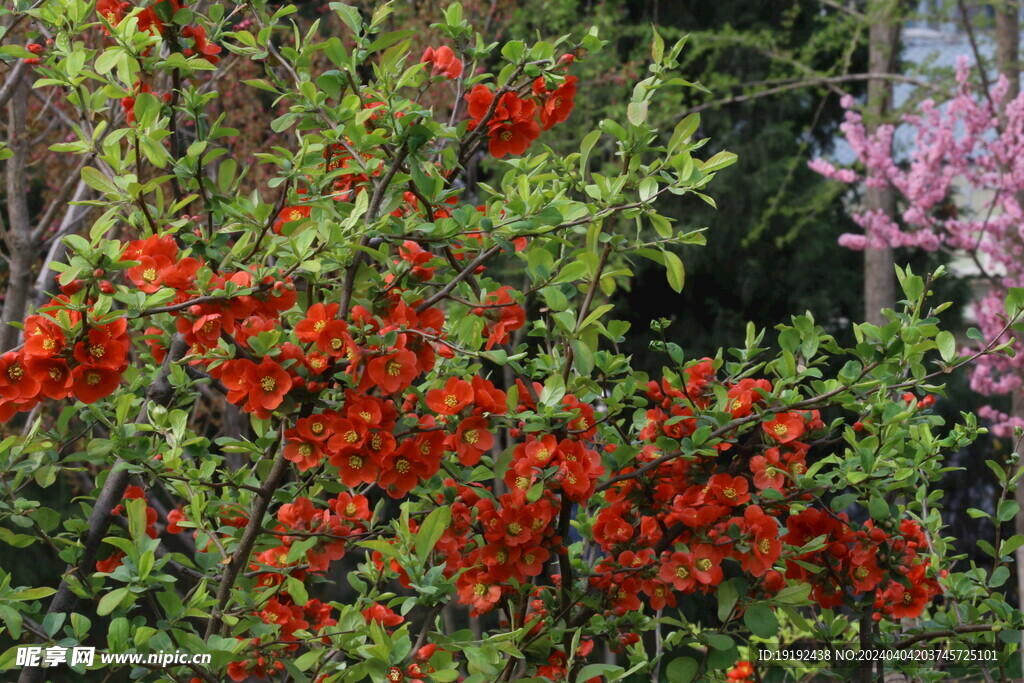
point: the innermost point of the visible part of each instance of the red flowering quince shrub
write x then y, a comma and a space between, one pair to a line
371, 422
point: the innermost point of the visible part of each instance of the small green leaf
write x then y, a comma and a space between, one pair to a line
674, 270
947, 345
110, 601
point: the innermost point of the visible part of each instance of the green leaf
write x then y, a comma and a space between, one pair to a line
97, 181
636, 112
592, 670
297, 590
878, 508
728, 596
1008, 509
947, 345
350, 15
431, 531
1010, 545
761, 621
682, 670
26, 594
718, 162
674, 270
110, 601
586, 147
684, 130
13, 619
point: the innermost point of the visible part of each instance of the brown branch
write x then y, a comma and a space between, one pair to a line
932, 635
808, 83
240, 558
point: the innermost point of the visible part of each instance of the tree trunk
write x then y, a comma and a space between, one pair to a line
883, 42
1008, 63
20, 251
1008, 45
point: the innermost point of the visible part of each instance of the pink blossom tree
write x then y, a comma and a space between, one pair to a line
961, 184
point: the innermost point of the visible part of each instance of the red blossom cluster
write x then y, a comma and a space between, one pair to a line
496, 542
155, 18
515, 122
262, 664
869, 560
672, 530
63, 355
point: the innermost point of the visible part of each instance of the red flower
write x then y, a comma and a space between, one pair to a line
785, 427
404, 468
290, 214
472, 440
443, 62
513, 137
729, 490
173, 517
706, 568
43, 337
511, 128
392, 372
355, 469
382, 615
17, 383
107, 346
317, 317
306, 455
478, 590
679, 572
111, 563
334, 339
91, 383
768, 470
208, 50
456, 395
53, 376
268, 383
352, 508
740, 673
907, 602
558, 103
531, 560
503, 315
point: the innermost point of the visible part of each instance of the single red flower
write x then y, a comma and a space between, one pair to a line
305, 454
729, 490
785, 427
268, 384
679, 572
456, 395
91, 383
334, 339
317, 317
43, 337
512, 137
472, 440
443, 62
392, 372
17, 382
